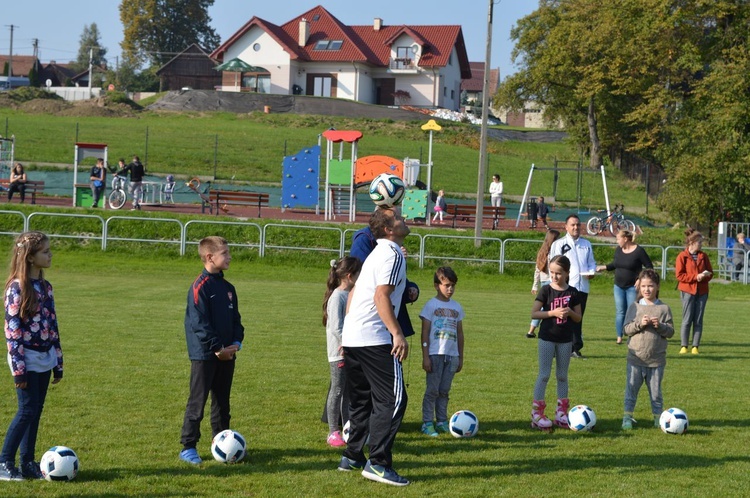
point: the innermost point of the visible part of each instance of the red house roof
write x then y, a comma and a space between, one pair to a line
359, 43
476, 82
22, 64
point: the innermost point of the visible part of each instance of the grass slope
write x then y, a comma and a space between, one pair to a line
121, 403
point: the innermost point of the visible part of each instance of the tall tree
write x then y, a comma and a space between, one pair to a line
90, 44
157, 30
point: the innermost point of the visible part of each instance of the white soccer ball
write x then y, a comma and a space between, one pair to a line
463, 423
228, 446
581, 418
345, 431
387, 190
59, 463
673, 421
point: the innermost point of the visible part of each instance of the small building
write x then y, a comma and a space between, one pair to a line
57, 74
316, 54
192, 68
472, 88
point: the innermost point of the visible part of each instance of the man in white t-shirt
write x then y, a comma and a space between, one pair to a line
582, 267
374, 347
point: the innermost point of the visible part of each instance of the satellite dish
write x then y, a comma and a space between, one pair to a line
48, 83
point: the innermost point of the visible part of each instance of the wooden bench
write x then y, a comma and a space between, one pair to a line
467, 212
223, 198
32, 187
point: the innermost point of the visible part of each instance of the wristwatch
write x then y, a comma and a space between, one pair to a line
424, 344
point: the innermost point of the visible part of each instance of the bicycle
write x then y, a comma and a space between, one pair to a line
118, 196
614, 222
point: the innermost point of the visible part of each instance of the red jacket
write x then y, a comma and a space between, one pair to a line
686, 270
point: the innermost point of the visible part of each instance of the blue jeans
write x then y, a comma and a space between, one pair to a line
25, 425
623, 299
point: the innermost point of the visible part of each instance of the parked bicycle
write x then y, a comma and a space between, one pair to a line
614, 222
118, 196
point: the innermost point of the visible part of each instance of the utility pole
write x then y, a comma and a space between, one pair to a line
10, 55
35, 44
483, 135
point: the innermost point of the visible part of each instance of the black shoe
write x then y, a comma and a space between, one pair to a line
9, 472
31, 470
530, 335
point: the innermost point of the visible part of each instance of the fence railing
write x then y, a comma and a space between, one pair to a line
323, 239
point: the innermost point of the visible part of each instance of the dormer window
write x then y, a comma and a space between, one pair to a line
328, 45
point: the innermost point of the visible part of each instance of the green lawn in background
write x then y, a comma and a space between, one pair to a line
121, 403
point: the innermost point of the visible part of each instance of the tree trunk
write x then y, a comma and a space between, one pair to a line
596, 153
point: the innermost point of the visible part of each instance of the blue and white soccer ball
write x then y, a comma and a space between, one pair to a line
463, 423
673, 421
228, 446
387, 190
581, 418
59, 463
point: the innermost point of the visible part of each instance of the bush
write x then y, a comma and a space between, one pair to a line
26, 93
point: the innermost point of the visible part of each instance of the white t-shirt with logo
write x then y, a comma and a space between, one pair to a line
444, 317
384, 266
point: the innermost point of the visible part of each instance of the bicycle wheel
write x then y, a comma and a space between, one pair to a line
117, 199
630, 225
615, 226
594, 226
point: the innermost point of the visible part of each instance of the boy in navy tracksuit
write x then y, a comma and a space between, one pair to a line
214, 334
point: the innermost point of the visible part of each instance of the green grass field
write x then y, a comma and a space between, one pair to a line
121, 403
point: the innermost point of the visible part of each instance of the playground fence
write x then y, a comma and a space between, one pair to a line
311, 238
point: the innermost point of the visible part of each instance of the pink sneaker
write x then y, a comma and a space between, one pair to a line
335, 439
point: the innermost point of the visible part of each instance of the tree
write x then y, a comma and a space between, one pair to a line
156, 30
90, 46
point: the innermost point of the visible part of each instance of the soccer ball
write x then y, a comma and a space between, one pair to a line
59, 463
345, 431
464, 423
581, 418
387, 190
228, 446
673, 421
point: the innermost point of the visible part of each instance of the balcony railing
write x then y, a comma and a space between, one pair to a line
402, 64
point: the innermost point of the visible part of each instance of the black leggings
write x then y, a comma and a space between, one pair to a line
17, 187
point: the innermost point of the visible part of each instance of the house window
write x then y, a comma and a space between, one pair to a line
322, 86
328, 45
453, 95
450, 59
445, 91
403, 58
258, 83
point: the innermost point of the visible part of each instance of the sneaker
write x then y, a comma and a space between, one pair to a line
694, 350
335, 439
683, 350
31, 470
530, 335
428, 428
386, 475
442, 427
9, 472
190, 455
347, 464
657, 418
577, 354
627, 423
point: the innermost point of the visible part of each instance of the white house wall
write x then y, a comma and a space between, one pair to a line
270, 56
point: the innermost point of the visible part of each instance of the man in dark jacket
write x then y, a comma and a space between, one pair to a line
137, 172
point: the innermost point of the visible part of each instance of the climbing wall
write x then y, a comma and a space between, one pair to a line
414, 205
299, 182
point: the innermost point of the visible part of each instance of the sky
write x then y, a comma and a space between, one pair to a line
58, 25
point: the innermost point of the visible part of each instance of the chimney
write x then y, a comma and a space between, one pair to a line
377, 24
304, 32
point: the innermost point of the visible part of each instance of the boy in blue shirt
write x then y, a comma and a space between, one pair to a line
214, 334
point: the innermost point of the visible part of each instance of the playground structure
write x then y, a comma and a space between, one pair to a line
7, 151
579, 170
83, 151
344, 175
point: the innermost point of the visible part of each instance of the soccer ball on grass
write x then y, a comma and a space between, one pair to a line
59, 463
463, 423
673, 421
581, 418
228, 446
387, 190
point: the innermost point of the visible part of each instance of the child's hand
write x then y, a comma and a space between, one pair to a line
655, 322
460, 365
427, 364
645, 320
560, 312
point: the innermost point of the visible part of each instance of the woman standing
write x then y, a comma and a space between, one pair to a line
496, 191
630, 259
693, 271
